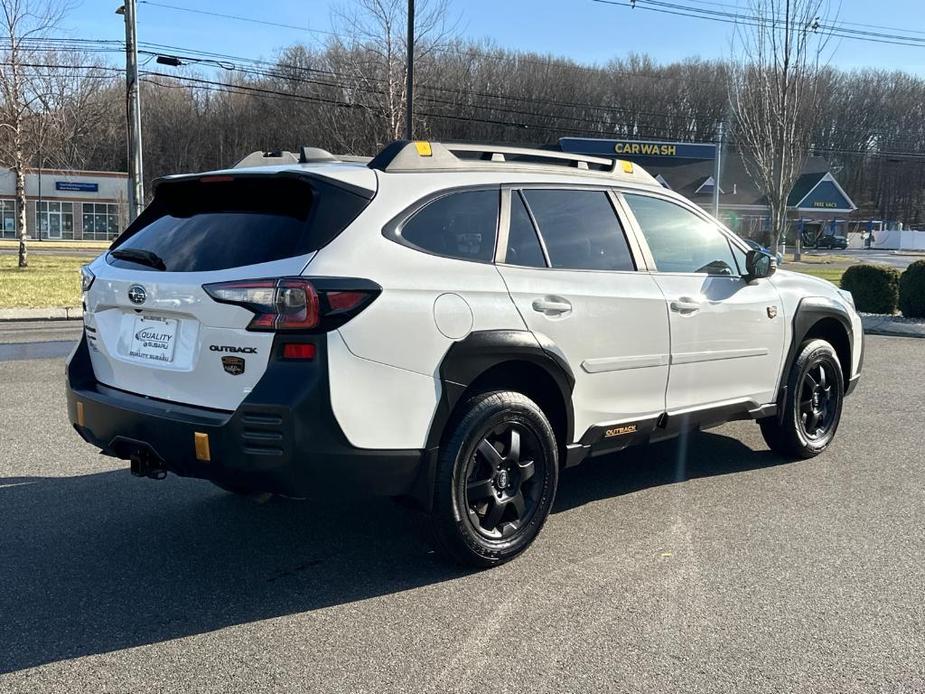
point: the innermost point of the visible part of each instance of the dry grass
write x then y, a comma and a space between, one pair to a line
832, 274
58, 245
50, 280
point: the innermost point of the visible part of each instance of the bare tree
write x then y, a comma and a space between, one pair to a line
774, 94
23, 110
370, 47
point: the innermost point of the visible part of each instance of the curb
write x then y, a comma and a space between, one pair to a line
52, 313
885, 325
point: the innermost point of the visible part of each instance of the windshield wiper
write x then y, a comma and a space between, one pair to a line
140, 256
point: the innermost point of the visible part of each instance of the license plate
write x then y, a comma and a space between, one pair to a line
153, 338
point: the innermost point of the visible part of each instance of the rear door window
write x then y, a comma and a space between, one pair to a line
459, 225
580, 229
201, 225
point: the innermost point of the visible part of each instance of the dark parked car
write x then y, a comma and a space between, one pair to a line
832, 241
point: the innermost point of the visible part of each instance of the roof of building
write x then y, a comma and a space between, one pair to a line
687, 176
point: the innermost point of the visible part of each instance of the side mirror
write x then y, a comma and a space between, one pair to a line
759, 264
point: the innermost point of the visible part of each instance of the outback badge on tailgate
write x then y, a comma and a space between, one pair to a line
233, 365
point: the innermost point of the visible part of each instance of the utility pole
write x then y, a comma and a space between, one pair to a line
409, 99
718, 165
136, 193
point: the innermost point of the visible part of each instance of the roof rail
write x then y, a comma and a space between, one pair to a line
404, 156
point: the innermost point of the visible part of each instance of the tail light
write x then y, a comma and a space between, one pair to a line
297, 303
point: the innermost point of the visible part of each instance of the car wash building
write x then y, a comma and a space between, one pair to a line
818, 204
66, 205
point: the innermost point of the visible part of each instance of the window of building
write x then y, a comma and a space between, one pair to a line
460, 225
100, 220
8, 219
580, 229
681, 241
55, 220
523, 246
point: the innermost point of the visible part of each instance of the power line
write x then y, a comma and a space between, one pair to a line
249, 20
841, 22
759, 21
160, 48
212, 85
462, 93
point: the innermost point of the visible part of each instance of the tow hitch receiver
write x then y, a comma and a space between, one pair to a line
144, 464
144, 461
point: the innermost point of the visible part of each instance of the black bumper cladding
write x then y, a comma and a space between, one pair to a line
283, 438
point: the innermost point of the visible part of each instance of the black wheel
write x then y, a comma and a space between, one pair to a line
815, 391
496, 480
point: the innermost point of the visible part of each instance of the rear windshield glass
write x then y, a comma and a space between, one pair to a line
196, 226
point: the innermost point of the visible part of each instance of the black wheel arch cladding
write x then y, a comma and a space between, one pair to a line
816, 317
481, 351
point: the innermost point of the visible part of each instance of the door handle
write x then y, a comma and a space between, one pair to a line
685, 306
551, 305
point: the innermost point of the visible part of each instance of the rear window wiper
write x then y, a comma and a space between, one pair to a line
140, 256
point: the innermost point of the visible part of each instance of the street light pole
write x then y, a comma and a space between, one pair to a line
136, 194
409, 100
718, 165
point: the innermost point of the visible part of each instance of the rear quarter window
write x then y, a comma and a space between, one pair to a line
460, 225
197, 226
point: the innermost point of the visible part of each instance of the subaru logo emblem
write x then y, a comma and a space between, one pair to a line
137, 294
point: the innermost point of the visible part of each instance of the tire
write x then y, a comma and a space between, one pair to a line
813, 407
496, 480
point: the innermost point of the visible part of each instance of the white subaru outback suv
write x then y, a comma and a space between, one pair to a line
452, 324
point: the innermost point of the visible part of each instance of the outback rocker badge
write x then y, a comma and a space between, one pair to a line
233, 365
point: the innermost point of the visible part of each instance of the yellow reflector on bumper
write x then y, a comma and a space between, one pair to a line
424, 149
627, 166
202, 447
80, 414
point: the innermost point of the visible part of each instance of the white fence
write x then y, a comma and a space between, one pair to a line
894, 239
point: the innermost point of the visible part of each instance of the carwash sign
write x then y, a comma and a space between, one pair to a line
625, 149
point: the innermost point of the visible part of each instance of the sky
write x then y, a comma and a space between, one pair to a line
587, 31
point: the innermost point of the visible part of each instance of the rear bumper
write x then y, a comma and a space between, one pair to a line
283, 437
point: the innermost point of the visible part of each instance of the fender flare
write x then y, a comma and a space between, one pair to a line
471, 357
810, 311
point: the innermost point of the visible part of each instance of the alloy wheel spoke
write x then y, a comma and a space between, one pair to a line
514, 453
821, 376
810, 381
527, 468
812, 422
493, 516
517, 501
478, 490
490, 454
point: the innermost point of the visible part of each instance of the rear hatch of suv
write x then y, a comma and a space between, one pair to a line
155, 323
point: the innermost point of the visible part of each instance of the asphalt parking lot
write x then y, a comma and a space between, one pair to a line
705, 565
